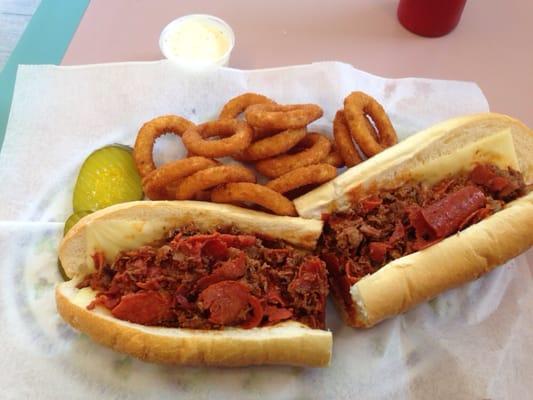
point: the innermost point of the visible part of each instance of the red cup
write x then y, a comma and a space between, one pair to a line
430, 18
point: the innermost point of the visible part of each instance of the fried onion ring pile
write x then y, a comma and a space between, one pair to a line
273, 138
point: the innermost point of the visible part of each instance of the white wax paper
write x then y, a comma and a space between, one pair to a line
474, 342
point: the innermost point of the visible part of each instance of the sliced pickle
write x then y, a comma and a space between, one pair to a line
73, 219
108, 176
62, 271
69, 223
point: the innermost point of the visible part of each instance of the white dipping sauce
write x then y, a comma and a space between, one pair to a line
197, 39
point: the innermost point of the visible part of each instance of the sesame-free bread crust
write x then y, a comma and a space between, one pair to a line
458, 259
289, 342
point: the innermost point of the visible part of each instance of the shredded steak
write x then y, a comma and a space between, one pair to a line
393, 223
210, 280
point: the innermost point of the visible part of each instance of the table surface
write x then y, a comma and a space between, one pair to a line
492, 45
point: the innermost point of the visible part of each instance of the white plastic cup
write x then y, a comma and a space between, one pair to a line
189, 63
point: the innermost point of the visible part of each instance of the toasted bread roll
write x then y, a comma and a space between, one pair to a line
132, 225
448, 148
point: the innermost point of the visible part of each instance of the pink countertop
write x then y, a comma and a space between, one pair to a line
491, 46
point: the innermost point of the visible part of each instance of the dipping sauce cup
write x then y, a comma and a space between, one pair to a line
197, 41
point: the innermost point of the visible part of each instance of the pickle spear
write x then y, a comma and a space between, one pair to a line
108, 176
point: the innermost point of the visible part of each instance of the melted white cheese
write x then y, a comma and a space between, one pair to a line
111, 237
496, 149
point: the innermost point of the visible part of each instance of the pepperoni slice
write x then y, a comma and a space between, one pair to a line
310, 276
485, 176
377, 251
234, 268
227, 301
215, 248
476, 216
370, 203
107, 301
194, 245
231, 269
446, 215
257, 313
312, 265
417, 221
276, 314
498, 183
146, 308
239, 241
482, 174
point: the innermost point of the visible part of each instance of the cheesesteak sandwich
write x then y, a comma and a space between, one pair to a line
439, 209
197, 283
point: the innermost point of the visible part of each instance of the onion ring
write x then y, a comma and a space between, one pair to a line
254, 193
210, 177
299, 177
318, 148
281, 117
239, 132
356, 108
344, 142
149, 132
272, 146
261, 133
239, 104
334, 157
156, 183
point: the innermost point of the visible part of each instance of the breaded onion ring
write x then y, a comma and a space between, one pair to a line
299, 177
334, 157
261, 133
149, 132
256, 194
281, 117
237, 136
344, 142
317, 147
210, 177
272, 146
156, 183
356, 108
239, 104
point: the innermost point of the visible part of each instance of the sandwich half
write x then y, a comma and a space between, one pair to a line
196, 283
439, 209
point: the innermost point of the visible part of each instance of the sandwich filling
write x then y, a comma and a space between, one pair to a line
389, 224
200, 280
